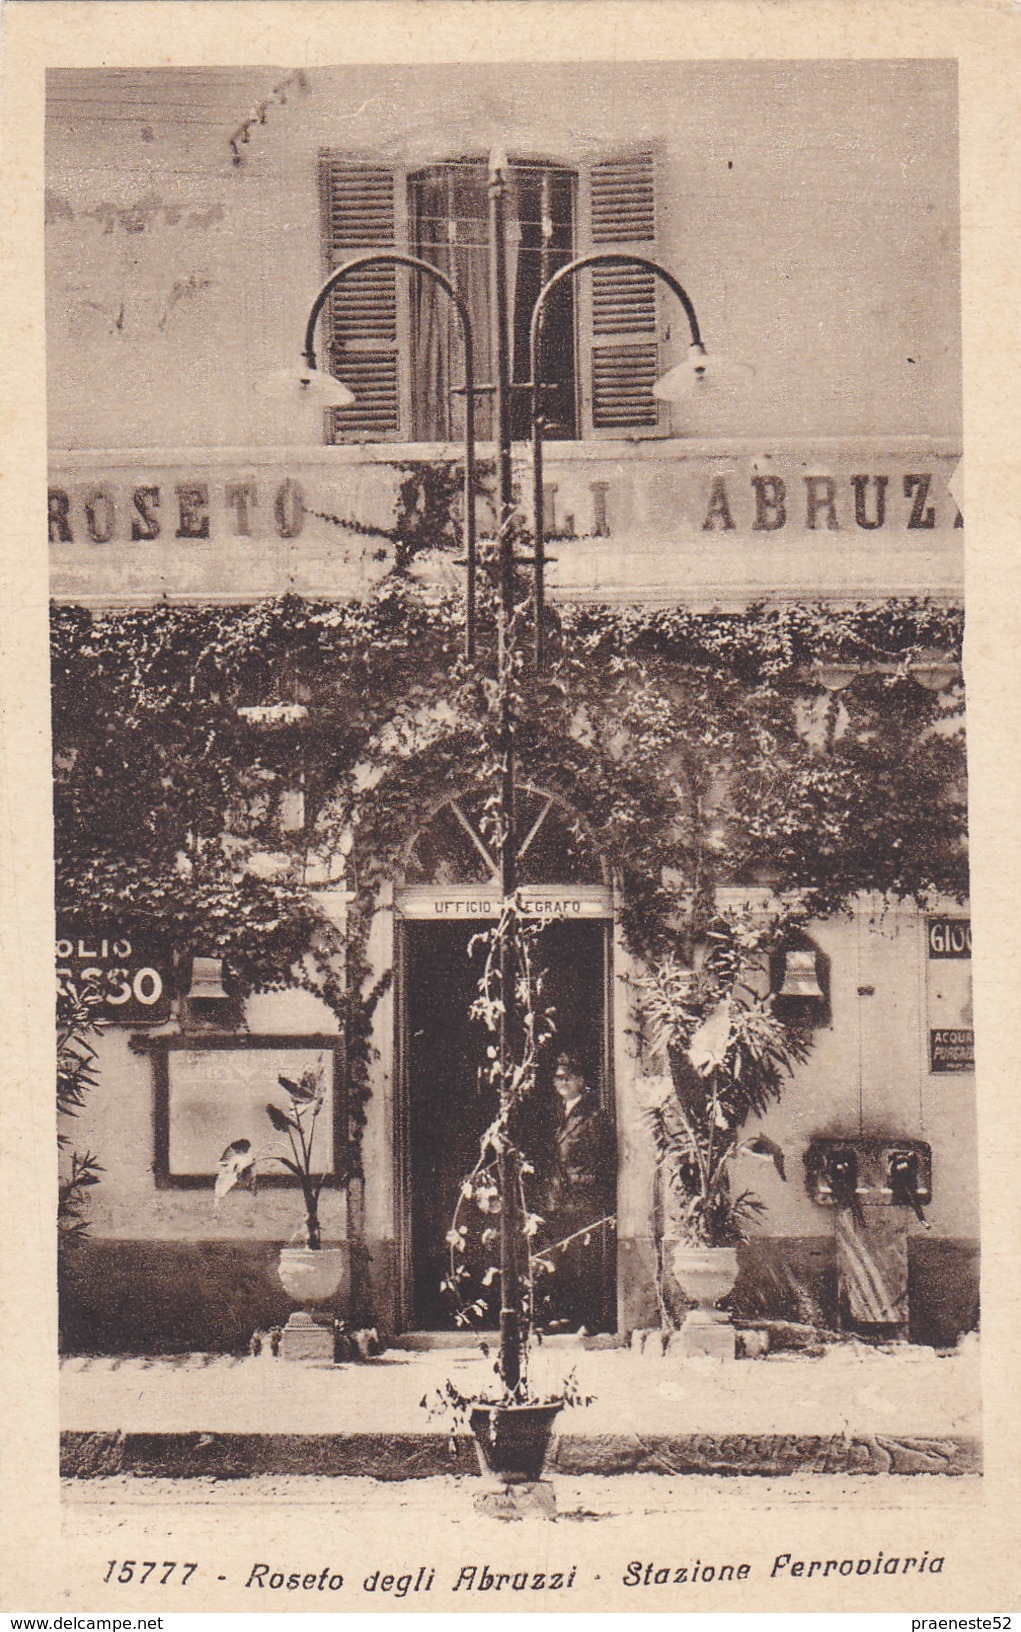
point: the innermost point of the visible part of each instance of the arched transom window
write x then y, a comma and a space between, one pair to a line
457, 845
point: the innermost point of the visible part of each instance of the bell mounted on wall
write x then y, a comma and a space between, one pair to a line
207, 1002
801, 976
207, 981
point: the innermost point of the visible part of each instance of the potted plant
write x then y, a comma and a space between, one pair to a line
512, 1434
308, 1271
729, 1055
513, 1424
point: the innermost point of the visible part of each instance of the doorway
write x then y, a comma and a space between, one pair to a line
448, 1101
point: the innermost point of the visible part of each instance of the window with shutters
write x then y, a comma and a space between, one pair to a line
394, 338
622, 315
365, 323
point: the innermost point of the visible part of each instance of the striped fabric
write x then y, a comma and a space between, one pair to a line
872, 1264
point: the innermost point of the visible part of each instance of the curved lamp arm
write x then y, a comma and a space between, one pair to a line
608, 258
534, 348
417, 265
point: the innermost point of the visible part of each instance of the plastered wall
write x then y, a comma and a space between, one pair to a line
118, 1125
867, 1074
176, 278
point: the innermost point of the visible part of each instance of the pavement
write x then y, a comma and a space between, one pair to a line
609, 1535
852, 1410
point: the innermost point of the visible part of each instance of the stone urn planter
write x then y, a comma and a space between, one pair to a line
705, 1275
512, 1441
310, 1275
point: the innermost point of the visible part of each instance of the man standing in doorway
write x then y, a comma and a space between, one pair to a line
581, 1192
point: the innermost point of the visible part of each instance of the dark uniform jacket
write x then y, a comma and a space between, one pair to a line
582, 1184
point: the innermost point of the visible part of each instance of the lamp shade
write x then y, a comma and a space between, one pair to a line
836, 676
934, 671
305, 384
697, 373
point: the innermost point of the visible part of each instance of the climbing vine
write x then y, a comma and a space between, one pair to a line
218, 769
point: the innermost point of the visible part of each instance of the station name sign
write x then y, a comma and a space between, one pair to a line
188, 509
809, 518
194, 510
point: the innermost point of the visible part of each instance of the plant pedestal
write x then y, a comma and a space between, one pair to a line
512, 1442
706, 1274
707, 1332
303, 1339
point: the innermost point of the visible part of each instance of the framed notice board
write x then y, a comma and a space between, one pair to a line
210, 1091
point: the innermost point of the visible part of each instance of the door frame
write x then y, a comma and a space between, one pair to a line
472, 903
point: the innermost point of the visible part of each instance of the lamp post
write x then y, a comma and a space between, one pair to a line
507, 1165
676, 383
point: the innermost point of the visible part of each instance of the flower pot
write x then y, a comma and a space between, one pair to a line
705, 1275
513, 1440
310, 1276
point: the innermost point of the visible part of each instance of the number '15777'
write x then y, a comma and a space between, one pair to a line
140, 1570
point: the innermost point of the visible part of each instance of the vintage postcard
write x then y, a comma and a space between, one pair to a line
491, 782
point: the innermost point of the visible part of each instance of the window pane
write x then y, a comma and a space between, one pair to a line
449, 210
552, 848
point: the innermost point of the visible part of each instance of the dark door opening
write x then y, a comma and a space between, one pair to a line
451, 1103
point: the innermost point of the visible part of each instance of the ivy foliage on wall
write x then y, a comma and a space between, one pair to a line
215, 766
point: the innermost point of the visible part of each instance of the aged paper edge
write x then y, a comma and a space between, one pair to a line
984, 39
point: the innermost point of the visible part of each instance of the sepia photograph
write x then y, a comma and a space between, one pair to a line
515, 1048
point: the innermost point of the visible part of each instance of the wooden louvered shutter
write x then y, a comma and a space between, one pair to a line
620, 360
366, 319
